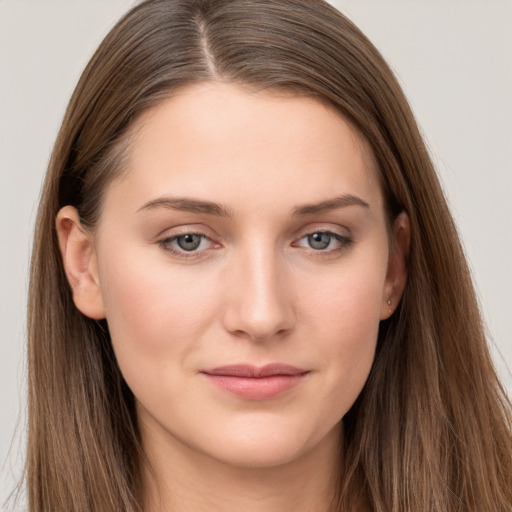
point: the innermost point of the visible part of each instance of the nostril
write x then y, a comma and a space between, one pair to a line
268, 335
259, 325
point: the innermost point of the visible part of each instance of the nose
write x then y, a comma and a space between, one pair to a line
260, 297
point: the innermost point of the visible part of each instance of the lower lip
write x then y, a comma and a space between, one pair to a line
256, 388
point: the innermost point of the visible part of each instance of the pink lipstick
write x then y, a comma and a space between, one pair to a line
256, 383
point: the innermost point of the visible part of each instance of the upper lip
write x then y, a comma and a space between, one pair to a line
251, 371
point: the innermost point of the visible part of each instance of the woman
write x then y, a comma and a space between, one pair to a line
254, 297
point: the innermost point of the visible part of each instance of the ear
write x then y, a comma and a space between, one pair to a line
80, 264
396, 277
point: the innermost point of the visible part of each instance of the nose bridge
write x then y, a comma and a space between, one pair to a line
260, 304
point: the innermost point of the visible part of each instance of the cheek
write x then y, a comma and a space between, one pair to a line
154, 313
348, 300
345, 323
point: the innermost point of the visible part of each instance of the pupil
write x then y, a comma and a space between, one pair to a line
319, 240
189, 242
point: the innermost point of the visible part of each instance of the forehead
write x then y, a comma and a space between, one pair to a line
221, 140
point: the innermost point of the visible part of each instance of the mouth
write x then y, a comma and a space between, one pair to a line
256, 383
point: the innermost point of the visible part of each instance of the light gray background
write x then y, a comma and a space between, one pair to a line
453, 57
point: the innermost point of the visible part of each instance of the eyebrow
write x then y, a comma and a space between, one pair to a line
331, 204
186, 204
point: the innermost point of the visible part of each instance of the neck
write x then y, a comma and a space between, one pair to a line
182, 480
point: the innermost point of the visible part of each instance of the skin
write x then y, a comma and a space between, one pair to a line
255, 291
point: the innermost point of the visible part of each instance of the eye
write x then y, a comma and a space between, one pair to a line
319, 241
189, 242
187, 245
326, 241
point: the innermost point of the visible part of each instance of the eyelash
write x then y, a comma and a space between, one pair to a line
166, 244
344, 243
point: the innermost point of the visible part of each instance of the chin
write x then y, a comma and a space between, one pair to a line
260, 446
258, 455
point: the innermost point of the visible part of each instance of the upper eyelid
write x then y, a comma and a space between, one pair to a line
186, 229
322, 228
174, 237
208, 233
299, 233
185, 233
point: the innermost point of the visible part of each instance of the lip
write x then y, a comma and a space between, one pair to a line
256, 383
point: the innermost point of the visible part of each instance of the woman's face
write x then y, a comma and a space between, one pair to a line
242, 263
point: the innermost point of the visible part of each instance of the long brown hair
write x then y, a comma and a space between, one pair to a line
432, 428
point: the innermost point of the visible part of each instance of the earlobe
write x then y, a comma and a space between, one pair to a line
80, 264
396, 277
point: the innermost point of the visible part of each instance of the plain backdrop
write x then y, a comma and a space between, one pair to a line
453, 58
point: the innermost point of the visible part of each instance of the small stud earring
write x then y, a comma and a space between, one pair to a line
389, 304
